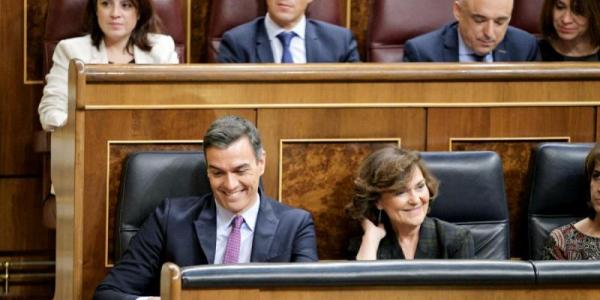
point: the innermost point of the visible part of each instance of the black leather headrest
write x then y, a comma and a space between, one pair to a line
562, 272
471, 194
383, 272
559, 190
147, 179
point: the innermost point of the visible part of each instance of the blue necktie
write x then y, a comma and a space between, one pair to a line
286, 38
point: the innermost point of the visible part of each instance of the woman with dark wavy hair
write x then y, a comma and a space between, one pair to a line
393, 193
571, 30
120, 32
580, 240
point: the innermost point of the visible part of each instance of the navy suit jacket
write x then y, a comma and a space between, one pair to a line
249, 43
183, 231
442, 46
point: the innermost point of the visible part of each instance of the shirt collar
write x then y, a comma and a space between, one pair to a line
249, 215
464, 49
273, 29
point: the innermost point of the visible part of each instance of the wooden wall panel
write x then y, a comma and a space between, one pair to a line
444, 123
318, 175
277, 124
105, 125
501, 125
20, 212
18, 103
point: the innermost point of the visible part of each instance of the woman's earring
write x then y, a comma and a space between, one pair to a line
379, 218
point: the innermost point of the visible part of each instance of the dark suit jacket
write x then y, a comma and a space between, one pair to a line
249, 43
437, 240
183, 231
442, 46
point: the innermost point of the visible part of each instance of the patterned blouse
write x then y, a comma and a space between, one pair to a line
568, 243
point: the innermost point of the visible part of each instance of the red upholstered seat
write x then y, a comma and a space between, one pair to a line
393, 22
227, 14
65, 19
526, 16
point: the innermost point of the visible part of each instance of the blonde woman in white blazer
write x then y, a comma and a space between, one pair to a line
119, 34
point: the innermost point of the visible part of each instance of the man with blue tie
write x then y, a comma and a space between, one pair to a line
480, 34
236, 223
285, 35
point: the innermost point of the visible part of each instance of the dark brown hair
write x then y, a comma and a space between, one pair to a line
590, 165
385, 170
589, 9
147, 22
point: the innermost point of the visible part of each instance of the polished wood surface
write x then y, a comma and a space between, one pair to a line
424, 106
396, 292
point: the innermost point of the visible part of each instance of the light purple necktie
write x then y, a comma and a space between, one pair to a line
232, 251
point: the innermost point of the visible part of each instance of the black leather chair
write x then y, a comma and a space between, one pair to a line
472, 195
559, 190
147, 179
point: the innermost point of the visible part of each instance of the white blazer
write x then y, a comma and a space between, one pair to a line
53, 106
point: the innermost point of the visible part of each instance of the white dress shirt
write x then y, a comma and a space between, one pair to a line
297, 46
224, 222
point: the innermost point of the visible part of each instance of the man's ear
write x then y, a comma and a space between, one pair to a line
261, 161
456, 10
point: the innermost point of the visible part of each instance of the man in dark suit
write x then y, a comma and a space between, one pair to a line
285, 35
236, 223
480, 34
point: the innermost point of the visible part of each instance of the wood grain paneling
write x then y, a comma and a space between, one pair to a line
318, 176
103, 126
405, 124
18, 103
395, 292
578, 123
21, 215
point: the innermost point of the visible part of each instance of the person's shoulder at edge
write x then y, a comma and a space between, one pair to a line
429, 41
524, 42
332, 33
163, 48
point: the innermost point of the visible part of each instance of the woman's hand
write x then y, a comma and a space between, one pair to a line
372, 232
370, 240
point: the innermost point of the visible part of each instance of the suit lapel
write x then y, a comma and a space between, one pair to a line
206, 229
264, 231
98, 55
140, 56
311, 42
500, 53
450, 37
263, 45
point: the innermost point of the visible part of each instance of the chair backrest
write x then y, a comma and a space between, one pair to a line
526, 15
227, 14
471, 194
559, 190
393, 22
147, 179
66, 19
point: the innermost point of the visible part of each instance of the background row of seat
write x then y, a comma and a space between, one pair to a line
391, 22
471, 193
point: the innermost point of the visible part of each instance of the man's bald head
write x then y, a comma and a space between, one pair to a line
482, 24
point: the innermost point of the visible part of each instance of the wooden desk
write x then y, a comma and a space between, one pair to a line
317, 122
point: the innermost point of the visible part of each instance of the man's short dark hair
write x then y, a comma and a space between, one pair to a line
226, 130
